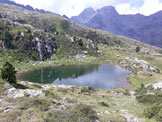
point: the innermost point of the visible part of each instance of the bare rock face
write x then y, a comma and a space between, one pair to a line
45, 49
42, 50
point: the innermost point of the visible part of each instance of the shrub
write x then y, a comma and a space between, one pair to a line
103, 104
8, 73
77, 113
80, 42
142, 90
20, 86
50, 94
127, 92
158, 117
84, 89
137, 49
90, 88
84, 111
63, 90
5, 36
87, 89
149, 99
40, 104
153, 111
155, 107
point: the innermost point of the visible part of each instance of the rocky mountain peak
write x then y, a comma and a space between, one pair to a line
87, 11
86, 15
108, 10
136, 26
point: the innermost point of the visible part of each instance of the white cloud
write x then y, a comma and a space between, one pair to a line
75, 7
126, 9
149, 7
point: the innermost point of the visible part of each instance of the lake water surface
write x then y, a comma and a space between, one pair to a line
98, 76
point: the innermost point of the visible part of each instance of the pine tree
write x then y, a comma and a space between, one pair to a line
8, 73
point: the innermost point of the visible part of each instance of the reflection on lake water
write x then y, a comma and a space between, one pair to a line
98, 76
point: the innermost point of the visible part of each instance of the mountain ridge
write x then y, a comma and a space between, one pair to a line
139, 27
27, 7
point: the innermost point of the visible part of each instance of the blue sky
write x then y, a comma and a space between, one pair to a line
137, 3
75, 7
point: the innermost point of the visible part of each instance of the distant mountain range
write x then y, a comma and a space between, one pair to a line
146, 29
28, 7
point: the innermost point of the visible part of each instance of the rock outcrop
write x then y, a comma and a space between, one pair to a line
142, 66
17, 93
45, 49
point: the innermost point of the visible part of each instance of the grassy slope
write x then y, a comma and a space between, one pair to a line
113, 98
113, 54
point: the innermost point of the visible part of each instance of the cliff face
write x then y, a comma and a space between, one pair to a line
143, 28
24, 38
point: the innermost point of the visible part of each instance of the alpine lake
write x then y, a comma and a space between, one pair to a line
101, 76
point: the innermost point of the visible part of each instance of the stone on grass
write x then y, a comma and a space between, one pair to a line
17, 93
157, 85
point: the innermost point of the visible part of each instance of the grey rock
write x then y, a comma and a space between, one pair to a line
100, 53
5, 45
7, 110
157, 85
8, 86
54, 101
96, 120
107, 112
17, 93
